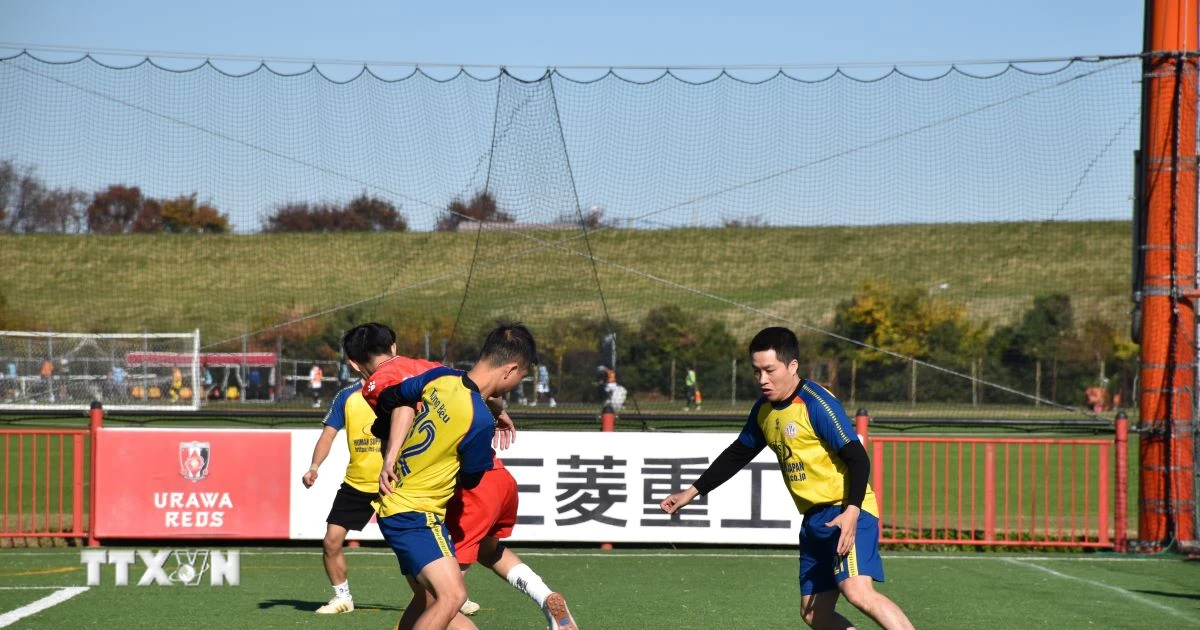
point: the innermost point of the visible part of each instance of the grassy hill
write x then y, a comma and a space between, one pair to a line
227, 284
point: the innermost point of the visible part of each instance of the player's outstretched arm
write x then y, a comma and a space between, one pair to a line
401, 423
678, 500
320, 452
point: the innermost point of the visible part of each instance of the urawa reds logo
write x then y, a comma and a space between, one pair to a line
193, 460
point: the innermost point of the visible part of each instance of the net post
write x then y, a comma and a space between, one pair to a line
1120, 510
608, 424
96, 421
862, 423
608, 419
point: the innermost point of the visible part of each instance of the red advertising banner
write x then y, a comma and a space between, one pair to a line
185, 483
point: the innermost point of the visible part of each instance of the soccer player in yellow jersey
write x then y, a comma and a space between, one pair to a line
826, 469
427, 454
352, 508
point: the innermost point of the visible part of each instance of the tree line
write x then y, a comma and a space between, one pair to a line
1045, 351
28, 205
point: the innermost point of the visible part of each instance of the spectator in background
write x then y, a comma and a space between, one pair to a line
116, 377
10, 383
605, 378
176, 384
254, 387
64, 377
315, 376
611, 392
344, 375
542, 386
47, 373
213, 392
689, 382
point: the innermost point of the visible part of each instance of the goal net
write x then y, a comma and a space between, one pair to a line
67, 371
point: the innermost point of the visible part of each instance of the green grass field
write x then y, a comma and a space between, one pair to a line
225, 285
624, 589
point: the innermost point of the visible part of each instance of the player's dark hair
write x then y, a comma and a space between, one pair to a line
779, 339
510, 342
367, 340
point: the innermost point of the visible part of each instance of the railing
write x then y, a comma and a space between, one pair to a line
932, 490
46, 479
1043, 492
42, 472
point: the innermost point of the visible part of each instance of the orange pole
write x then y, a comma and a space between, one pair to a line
96, 421
1168, 285
1121, 515
77, 487
608, 424
989, 492
862, 424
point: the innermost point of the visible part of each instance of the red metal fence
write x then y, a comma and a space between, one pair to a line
45, 476
931, 490
1053, 492
42, 474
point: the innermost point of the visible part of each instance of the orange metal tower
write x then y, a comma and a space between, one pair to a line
1168, 284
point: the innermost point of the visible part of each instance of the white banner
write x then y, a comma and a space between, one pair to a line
599, 487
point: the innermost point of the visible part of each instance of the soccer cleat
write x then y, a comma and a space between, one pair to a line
558, 614
469, 608
337, 605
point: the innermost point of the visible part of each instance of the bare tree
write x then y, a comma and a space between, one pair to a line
482, 208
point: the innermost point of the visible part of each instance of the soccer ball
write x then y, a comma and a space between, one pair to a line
186, 573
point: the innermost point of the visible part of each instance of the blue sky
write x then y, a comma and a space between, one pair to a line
559, 33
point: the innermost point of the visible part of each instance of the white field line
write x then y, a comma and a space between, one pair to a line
1130, 594
53, 599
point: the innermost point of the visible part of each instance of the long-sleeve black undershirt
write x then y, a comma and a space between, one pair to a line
737, 455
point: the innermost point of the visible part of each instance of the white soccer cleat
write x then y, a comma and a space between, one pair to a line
469, 608
337, 605
558, 614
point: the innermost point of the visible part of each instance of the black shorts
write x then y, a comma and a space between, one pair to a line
352, 508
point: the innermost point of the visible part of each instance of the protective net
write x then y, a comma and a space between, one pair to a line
954, 238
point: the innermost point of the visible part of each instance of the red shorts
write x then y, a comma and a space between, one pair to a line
489, 509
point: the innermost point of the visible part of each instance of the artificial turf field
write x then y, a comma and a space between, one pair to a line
699, 589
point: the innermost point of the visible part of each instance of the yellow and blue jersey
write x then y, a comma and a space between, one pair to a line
452, 432
805, 433
350, 411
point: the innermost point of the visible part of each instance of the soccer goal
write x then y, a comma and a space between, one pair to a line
124, 371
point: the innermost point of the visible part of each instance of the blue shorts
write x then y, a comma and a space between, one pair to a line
418, 538
820, 567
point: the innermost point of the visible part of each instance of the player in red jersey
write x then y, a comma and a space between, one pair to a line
478, 518
371, 351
